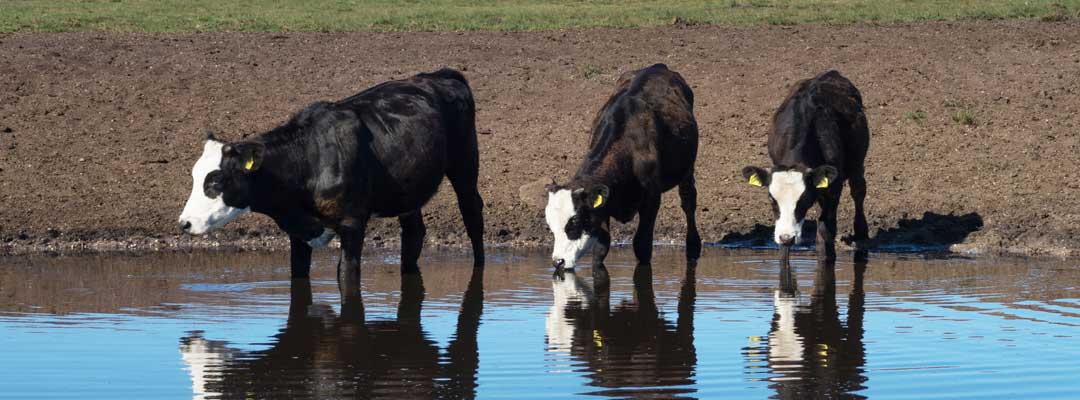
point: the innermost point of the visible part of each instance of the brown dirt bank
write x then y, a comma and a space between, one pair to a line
98, 131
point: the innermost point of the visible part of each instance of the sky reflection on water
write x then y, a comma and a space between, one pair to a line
738, 325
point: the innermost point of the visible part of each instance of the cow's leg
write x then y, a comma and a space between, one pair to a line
826, 227
688, 196
462, 174
643, 238
857, 182
299, 258
600, 251
352, 247
412, 241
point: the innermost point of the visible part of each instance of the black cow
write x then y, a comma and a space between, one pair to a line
329, 169
644, 142
818, 139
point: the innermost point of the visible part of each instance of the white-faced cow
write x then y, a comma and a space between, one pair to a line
380, 153
644, 142
818, 139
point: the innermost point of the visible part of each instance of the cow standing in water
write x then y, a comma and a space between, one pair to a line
380, 153
818, 139
644, 142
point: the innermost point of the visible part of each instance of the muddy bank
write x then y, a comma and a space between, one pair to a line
974, 124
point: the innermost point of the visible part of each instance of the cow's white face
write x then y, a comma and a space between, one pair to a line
787, 189
572, 238
792, 193
206, 209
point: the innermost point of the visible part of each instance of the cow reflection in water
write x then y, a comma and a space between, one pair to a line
322, 355
811, 354
631, 350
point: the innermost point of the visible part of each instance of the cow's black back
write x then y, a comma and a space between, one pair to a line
820, 122
644, 139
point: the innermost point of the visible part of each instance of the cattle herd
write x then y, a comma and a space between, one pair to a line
384, 151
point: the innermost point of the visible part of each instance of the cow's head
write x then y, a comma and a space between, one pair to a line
792, 192
574, 216
221, 185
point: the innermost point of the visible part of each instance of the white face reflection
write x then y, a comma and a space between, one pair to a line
203, 358
786, 187
560, 331
202, 213
785, 343
559, 211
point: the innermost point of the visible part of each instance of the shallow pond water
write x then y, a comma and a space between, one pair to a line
218, 325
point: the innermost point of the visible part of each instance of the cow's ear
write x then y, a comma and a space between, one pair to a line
598, 196
823, 176
245, 157
551, 187
536, 193
756, 176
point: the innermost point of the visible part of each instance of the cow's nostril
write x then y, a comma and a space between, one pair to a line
184, 226
559, 263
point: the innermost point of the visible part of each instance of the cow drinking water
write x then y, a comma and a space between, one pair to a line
818, 139
380, 153
644, 142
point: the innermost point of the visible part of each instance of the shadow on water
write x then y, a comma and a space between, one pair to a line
628, 351
811, 352
932, 232
322, 355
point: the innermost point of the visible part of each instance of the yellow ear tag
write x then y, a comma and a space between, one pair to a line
599, 201
250, 163
755, 181
824, 184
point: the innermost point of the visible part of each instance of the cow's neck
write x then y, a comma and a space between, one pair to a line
277, 194
593, 172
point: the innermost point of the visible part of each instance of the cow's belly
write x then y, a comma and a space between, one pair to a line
408, 180
677, 160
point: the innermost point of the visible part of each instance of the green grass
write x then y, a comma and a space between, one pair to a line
513, 15
964, 117
589, 71
965, 113
917, 116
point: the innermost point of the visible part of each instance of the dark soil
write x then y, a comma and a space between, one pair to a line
974, 124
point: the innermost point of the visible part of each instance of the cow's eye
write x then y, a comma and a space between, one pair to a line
573, 228
212, 186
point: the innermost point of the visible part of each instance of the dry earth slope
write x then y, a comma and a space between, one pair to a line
98, 131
